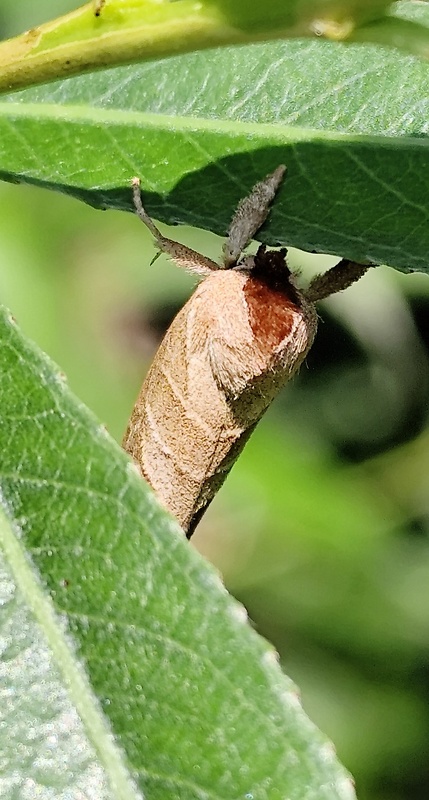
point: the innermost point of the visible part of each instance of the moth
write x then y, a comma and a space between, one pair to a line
241, 336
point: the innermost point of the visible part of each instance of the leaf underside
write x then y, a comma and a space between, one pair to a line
199, 130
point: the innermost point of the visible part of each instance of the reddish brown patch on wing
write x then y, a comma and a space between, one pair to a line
271, 299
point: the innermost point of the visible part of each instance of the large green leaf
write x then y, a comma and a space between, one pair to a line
136, 626
350, 123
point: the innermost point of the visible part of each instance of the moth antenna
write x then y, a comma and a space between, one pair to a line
182, 256
334, 280
141, 212
251, 213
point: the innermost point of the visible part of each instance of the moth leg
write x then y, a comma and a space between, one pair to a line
336, 279
182, 256
251, 212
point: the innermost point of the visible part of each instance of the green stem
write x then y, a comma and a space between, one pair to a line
126, 31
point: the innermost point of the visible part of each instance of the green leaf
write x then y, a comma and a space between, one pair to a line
107, 32
137, 627
43, 742
350, 123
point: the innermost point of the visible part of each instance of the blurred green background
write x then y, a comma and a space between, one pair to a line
322, 529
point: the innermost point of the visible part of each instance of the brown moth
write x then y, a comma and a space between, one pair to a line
242, 335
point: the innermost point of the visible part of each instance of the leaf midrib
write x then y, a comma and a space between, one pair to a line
94, 115
83, 701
